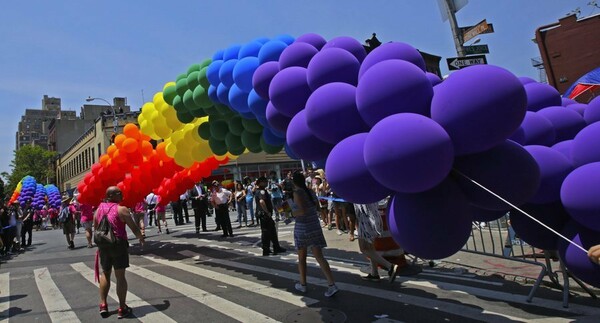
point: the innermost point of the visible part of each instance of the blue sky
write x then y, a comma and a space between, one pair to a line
76, 49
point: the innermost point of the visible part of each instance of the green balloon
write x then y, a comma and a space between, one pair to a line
202, 79
218, 147
181, 76
205, 63
251, 141
169, 94
219, 129
178, 104
192, 80
268, 148
201, 97
185, 117
237, 151
252, 125
233, 142
235, 125
193, 68
204, 130
198, 112
211, 110
181, 86
188, 100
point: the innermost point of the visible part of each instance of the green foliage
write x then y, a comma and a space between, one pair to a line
31, 160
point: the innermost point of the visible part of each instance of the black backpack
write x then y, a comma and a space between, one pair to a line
104, 235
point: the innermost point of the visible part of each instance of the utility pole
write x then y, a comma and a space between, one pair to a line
457, 35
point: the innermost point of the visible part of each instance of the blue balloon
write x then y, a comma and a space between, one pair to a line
212, 94
238, 99
271, 51
223, 94
226, 72
263, 121
212, 72
231, 52
243, 72
262, 40
251, 49
271, 138
257, 104
285, 38
290, 152
218, 55
248, 115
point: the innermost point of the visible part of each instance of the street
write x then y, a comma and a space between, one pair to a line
183, 277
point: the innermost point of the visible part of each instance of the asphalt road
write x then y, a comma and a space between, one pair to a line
184, 277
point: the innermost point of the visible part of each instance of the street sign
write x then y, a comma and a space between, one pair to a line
490, 29
456, 63
476, 49
481, 28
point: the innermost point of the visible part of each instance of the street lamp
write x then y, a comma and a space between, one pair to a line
115, 120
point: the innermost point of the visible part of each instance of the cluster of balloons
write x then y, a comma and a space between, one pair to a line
54, 197
27, 189
39, 198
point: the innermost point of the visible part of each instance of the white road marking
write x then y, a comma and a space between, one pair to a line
4, 293
56, 305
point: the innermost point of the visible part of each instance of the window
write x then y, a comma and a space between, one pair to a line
99, 150
93, 159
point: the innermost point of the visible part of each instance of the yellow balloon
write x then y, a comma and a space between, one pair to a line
162, 130
168, 84
171, 149
147, 109
171, 116
177, 136
183, 158
158, 99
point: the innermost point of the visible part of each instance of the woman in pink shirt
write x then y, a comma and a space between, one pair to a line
138, 216
87, 221
160, 214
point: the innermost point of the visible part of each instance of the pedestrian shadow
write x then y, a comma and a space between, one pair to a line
11, 298
13, 311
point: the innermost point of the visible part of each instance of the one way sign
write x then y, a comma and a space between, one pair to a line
456, 63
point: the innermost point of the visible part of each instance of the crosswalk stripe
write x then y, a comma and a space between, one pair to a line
56, 304
226, 307
240, 283
142, 310
4, 293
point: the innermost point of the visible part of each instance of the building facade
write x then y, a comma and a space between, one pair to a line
569, 49
33, 127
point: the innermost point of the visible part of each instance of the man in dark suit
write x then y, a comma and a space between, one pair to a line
199, 197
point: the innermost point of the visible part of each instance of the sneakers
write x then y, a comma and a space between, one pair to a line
104, 310
371, 278
71, 245
393, 272
301, 288
167, 229
279, 250
124, 312
331, 290
339, 232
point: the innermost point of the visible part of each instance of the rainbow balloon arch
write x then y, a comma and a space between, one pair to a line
382, 126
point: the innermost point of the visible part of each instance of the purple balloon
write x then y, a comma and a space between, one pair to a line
334, 101
483, 215
262, 78
579, 195
289, 90
302, 141
553, 215
226, 72
578, 107
276, 120
408, 153
592, 112
431, 225
535, 130
390, 87
393, 50
567, 102
566, 122
332, 65
554, 168
271, 51
313, 39
508, 170
586, 145
564, 147
349, 44
526, 80
541, 95
348, 175
485, 115
576, 260
297, 54
433, 79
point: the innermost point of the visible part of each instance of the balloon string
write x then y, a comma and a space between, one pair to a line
516, 208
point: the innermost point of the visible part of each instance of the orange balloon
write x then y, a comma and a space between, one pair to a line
111, 150
105, 158
146, 148
119, 140
120, 157
144, 137
130, 145
131, 130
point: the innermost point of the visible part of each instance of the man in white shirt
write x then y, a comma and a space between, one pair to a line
151, 200
220, 199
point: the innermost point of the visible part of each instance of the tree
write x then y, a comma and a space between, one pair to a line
31, 160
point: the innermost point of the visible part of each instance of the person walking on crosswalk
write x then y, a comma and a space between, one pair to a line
264, 212
117, 254
308, 233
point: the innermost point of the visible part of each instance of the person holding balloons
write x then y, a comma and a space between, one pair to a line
594, 254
